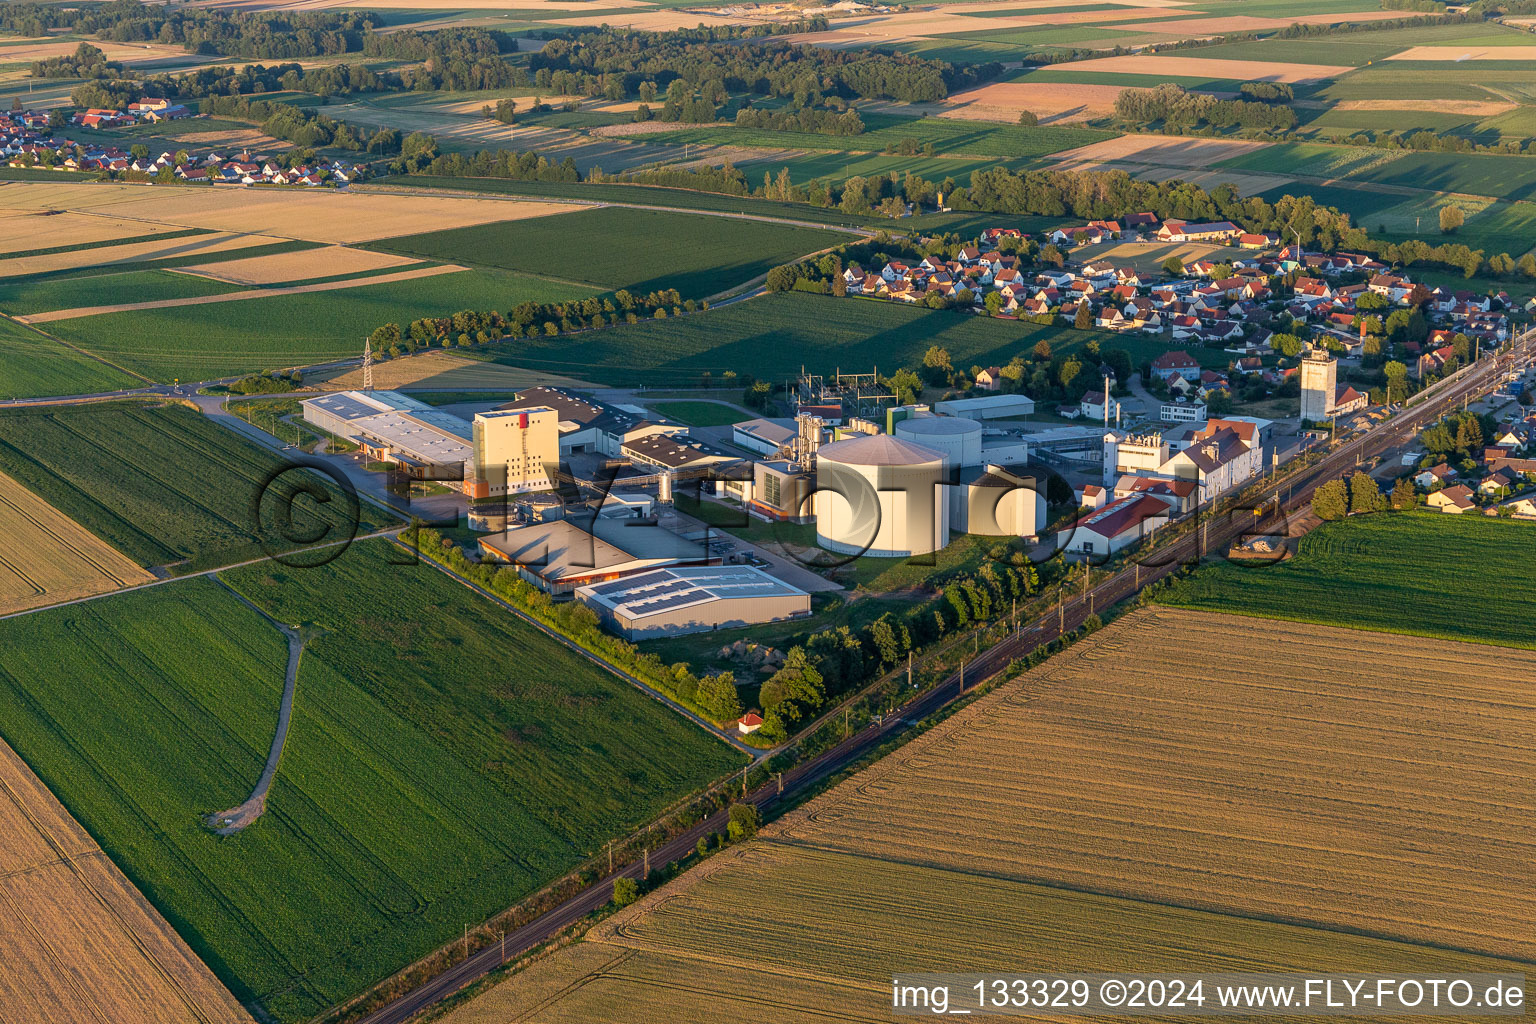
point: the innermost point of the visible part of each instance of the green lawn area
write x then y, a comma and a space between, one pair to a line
775, 335
40, 294
1421, 573
35, 366
444, 759
967, 138
164, 485
203, 342
613, 247
700, 414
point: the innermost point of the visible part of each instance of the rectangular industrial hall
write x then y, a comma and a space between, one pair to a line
693, 599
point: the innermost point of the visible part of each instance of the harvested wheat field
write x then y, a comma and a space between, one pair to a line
1182, 791
1050, 102
1161, 150
1478, 108
256, 293
133, 252
1205, 67
441, 371
23, 230
127, 53
330, 261
81, 944
1460, 53
49, 558
320, 216
232, 138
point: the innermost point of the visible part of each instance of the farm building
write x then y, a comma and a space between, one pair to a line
671, 602
561, 555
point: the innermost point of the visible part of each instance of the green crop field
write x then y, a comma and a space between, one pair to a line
222, 339
164, 485
1359, 48
969, 138
40, 294
774, 336
836, 166
1426, 574
686, 199
444, 759
1502, 176
1056, 74
1451, 80
1359, 203
35, 366
613, 247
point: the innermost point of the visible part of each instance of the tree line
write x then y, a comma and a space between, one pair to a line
767, 68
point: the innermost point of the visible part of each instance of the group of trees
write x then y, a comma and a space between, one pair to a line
86, 62
1176, 107
1458, 437
300, 125
1361, 496
271, 34
741, 63
802, 119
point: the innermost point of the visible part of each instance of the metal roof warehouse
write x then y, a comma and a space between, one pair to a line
673, 601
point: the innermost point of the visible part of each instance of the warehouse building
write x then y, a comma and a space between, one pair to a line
562, 555
588, 425
674, 601
763, 436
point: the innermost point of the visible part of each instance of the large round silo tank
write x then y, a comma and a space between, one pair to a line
880, 495
958, 438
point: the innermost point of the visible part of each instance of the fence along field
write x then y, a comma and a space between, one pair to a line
48, 558
80, 942
161, 484
641, 250
1182, 791
1417, 573
443, 760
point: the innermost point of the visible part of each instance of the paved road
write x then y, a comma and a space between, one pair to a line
1208, 536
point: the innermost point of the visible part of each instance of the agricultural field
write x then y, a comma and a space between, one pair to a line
303, 265
1481, 174
640, 250
1021, 831
209, 341
946, 135
33, 365
164, 485
1449, 571
321, 215
48, 558
81, 943
417, 790
39, 294
24, 231
168, 250
775, 335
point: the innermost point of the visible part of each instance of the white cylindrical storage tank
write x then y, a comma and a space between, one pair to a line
880, 495
958, 438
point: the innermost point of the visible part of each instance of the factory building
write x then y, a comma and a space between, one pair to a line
588, 425
560, 555
958, 439
1319, 385
515, 451
995, 501
988, 407
880, 495
763, 436
675, 601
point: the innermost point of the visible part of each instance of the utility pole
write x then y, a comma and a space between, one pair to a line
610, 856
647, 861
909, 670
503, 947
780, 777
466, 941
962, 676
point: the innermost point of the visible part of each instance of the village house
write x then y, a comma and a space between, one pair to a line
1455, 500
